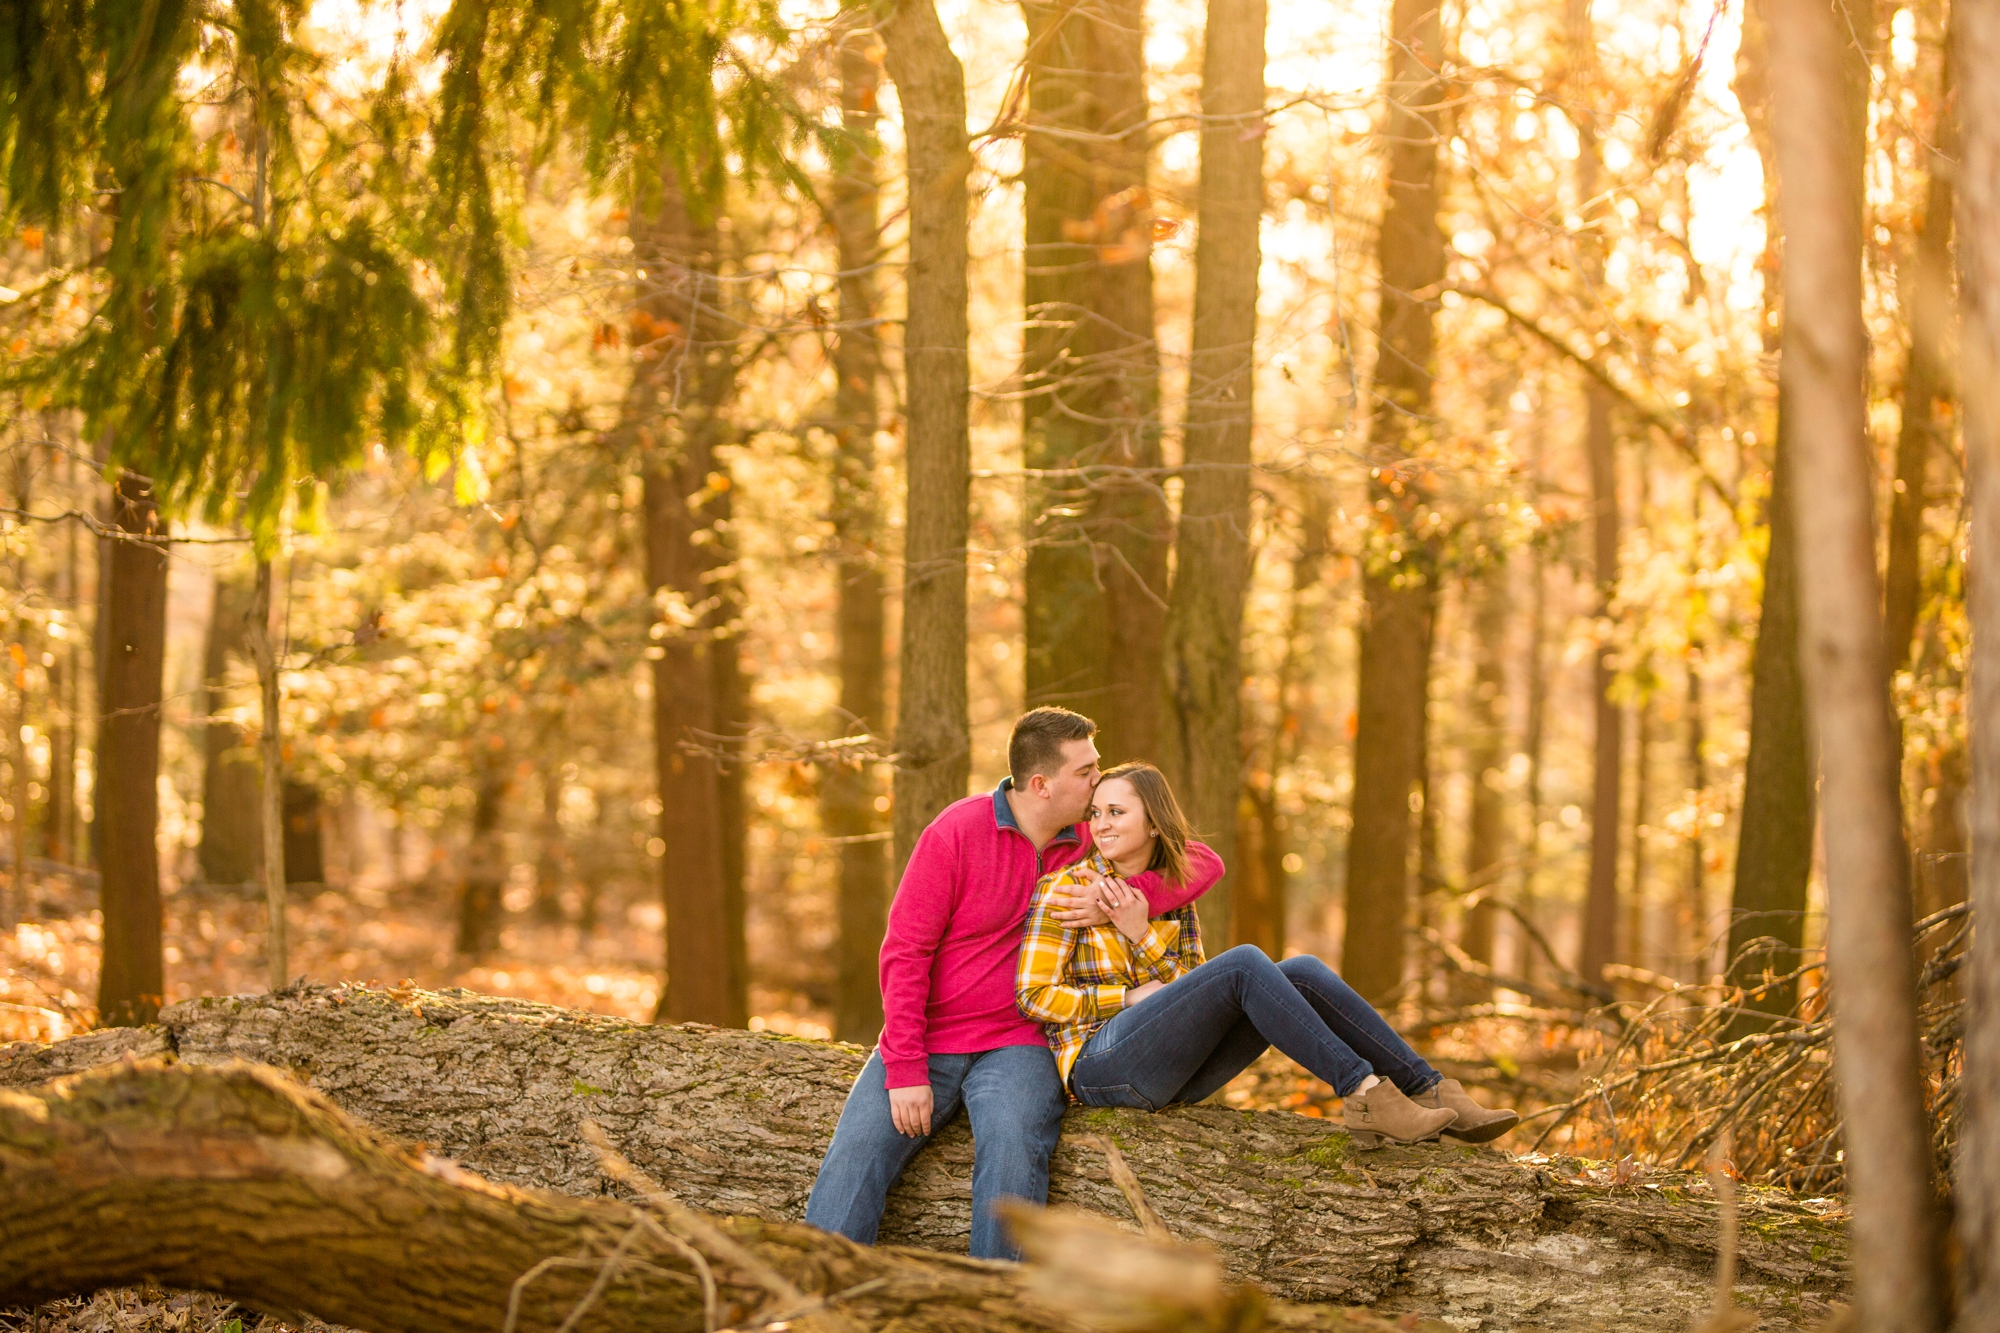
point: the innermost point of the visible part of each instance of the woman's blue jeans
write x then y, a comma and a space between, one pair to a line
1183, 1042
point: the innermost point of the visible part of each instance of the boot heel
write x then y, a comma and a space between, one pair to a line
1365, 1139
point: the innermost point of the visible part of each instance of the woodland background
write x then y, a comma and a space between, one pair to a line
541, 393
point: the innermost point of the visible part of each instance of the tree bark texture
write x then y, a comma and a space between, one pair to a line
1392, 691
133, 980
1774, 849
1976, 25
1926, 291
1098, 534
933, 728
231, 848
1204, 677
1818, 125
847, 798
683, 378
736, 1122
238, 1180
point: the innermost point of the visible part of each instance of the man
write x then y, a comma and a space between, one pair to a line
951, 1035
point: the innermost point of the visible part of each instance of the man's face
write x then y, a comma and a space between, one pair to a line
1068, 792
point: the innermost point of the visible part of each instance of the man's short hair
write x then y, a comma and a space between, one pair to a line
1039, 735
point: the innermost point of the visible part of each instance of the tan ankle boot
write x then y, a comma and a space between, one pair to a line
1475, 1123
1384, 1115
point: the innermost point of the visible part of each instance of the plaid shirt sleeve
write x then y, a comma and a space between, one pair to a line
1039, 989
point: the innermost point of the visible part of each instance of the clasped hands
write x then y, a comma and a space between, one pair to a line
1105, 899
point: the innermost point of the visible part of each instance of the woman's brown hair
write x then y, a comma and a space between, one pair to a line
1163, 812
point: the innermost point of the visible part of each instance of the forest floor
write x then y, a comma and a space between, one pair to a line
213, 944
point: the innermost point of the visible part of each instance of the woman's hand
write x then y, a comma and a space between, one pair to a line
1134, 994
1126, 907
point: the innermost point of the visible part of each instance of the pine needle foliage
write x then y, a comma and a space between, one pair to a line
277, 281
690, 87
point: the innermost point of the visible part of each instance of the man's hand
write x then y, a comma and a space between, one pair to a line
910, 1110
1134, 994
1083, 907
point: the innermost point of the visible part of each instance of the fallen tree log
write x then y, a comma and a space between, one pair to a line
234, 1179
735, 1122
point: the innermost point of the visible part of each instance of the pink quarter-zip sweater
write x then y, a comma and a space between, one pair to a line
954, 933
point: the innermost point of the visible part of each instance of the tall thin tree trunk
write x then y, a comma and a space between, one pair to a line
847, 799
1694, 906
552, 862
1097, 562
1976, 25
231, 833
1534, 743
65, 679
1212, 552
1399, 583
1485, 847
15, 903
271, 750
674, 409
733, 722
1819, 124
1262, 916
933, 729
481, 894
1774, 848
133, 980
1600, 912
1634, 930
1927, 294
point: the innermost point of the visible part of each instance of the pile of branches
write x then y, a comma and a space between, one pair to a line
1753, 1067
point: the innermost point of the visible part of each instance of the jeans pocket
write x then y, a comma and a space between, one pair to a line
1114, 1094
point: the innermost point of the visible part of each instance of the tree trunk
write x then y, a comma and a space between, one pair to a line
1927, 295
1976, 30
1600, 910
304, 835
1204, 676
1534, 743
682, 381
1097, 557
737, 1122
1819, 124
1399, 583
1485, 850
274, 818
1634, 928
850, 789
60, 821
1774, 847
1694, 908
552, 862
133, 979
933, 729
231, 851
256, 1188
733, 722
17, 902
482, 891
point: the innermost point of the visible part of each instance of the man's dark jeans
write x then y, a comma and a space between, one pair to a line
1183, 1042
1015, 1100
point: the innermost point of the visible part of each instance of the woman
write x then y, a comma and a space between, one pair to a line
1137, 1018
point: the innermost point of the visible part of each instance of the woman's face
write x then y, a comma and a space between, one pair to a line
1118, 820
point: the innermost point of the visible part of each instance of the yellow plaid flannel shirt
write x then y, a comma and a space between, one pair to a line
1074, 980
